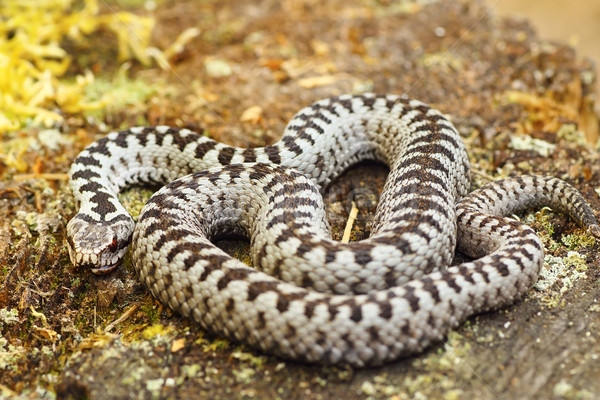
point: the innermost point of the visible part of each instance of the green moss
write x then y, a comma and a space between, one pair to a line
442, 374
156, 330
571, 134
134, 200
121, 92
527, 143
8, 317
151, 311
217, 344
578, 241
542, 222
558, 276
256, 361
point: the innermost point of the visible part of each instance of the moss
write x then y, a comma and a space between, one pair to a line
156, 330
217, 344
151, 311
543, 222
10, 355
134, 200
8, 317
33, 79
251, 358
563, 271
441, 374
571, 134
525, 142
121, 92
578, 241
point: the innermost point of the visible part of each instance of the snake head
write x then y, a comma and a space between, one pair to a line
99, 246
594, 230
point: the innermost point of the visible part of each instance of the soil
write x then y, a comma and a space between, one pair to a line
522, 104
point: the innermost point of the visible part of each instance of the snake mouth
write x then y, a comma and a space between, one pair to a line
105, 269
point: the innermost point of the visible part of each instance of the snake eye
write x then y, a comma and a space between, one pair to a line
113, 245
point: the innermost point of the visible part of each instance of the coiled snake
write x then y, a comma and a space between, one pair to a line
311, 298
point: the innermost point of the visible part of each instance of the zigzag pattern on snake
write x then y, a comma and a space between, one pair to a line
311, 298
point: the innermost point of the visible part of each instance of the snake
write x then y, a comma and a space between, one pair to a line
308, 297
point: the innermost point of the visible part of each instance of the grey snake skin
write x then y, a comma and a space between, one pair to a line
310, 298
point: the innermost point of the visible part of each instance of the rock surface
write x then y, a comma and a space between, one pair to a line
523, 105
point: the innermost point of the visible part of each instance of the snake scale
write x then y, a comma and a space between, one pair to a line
308, 297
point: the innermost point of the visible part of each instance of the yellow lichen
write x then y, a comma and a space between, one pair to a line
33, 86
156, 330
565, 270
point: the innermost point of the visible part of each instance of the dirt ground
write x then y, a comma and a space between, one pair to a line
572, 22
523, 105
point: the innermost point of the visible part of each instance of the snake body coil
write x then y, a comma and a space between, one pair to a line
311, 298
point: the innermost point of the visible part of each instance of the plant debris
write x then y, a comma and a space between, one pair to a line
71, 70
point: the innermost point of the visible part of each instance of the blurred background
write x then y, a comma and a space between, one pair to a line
576, 22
